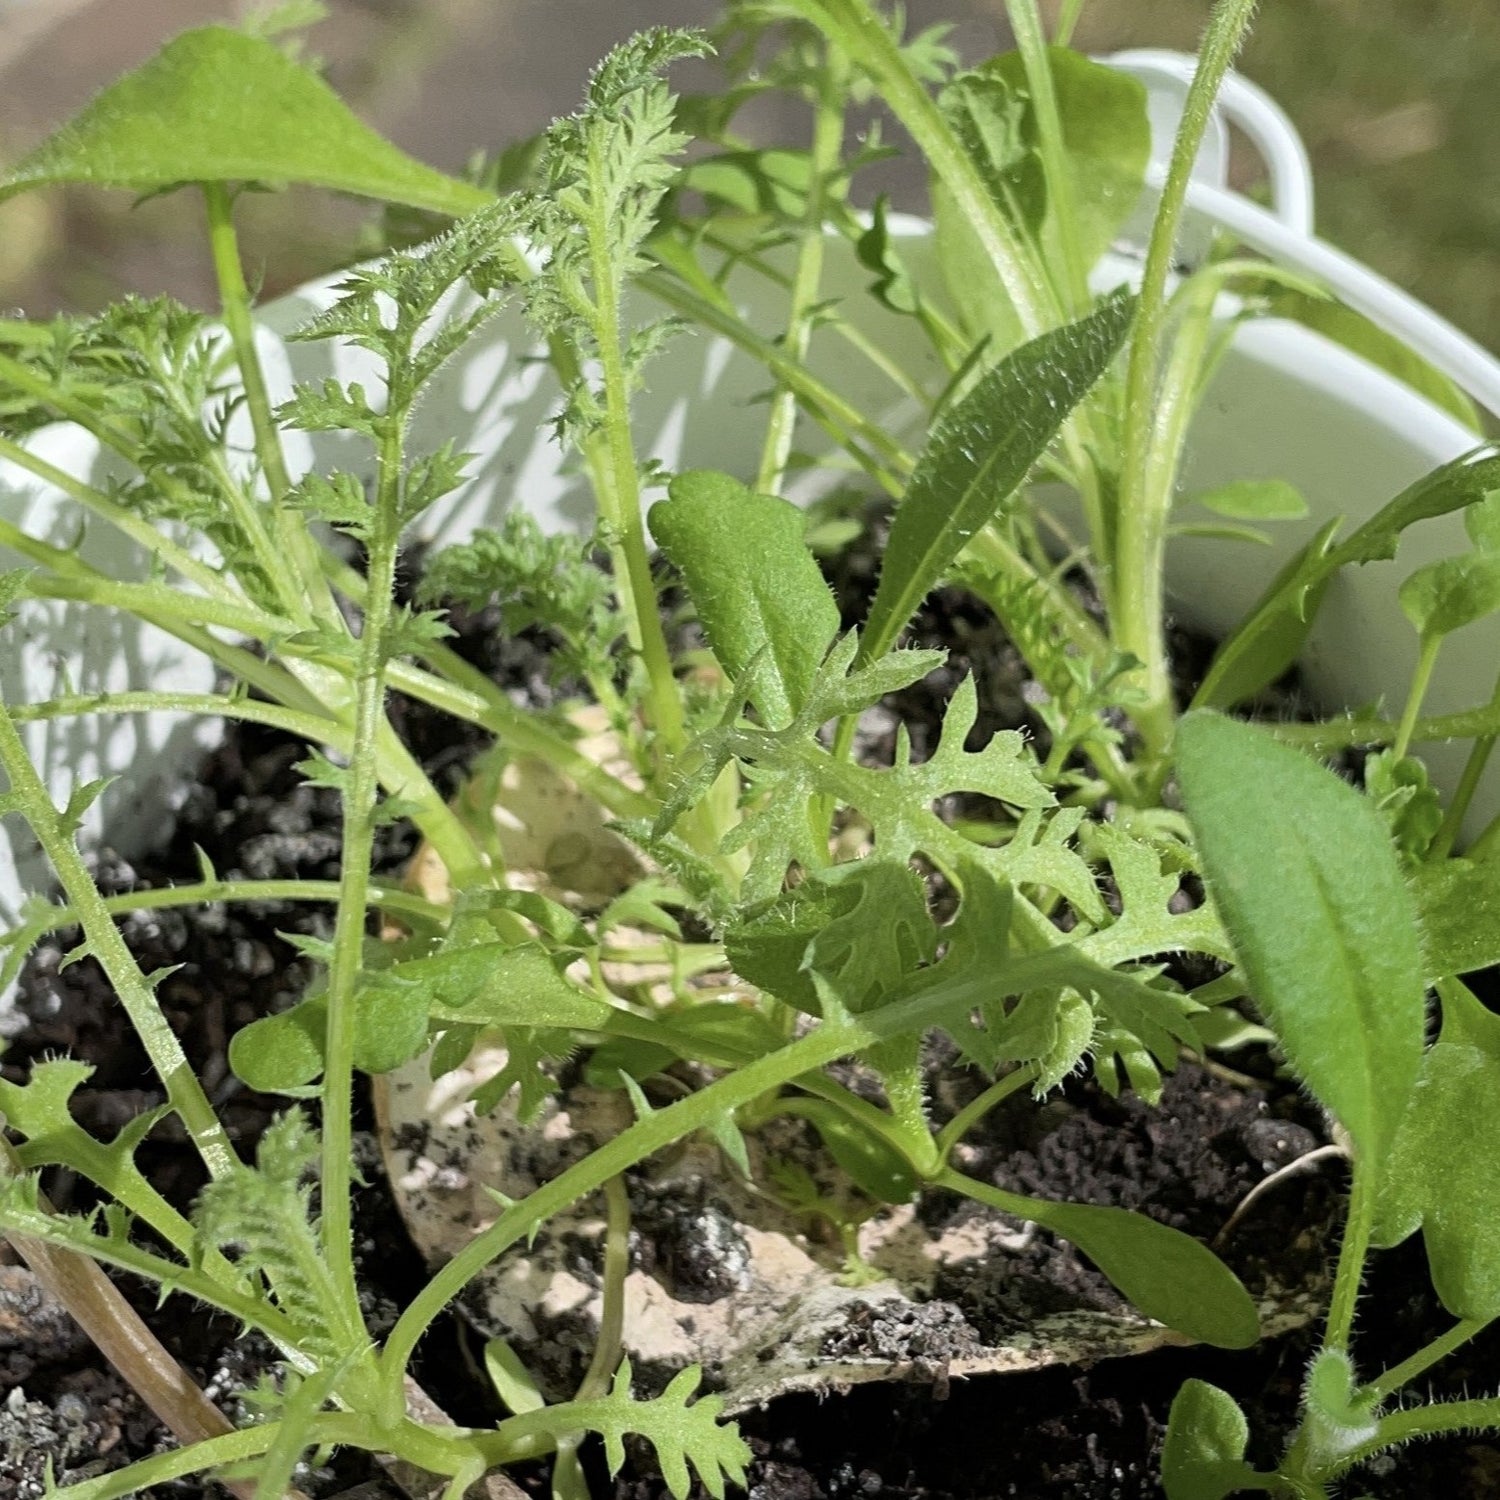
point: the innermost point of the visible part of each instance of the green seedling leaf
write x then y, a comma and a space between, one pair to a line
1405, 796
1203, 1457
1481, 521
1459, 900
754, 582
1372, 343
1337, 1420
979, 452
874, 1166
1302, 870
861, 927
1272, 635
1270, 638
1451, 593
1107, 137
1256, 500
1444, 1173
512, 1381
282, 1053
1168, 1275
217, 105
1106, 134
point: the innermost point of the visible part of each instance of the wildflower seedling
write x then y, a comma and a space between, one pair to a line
734, 763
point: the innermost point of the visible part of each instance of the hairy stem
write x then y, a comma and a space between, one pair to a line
136, 994
827, 146
1390, 1381
360, 794
234, 300
1140, 541
1353, 1251
620, 496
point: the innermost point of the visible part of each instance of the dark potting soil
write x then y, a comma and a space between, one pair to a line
1091, 1433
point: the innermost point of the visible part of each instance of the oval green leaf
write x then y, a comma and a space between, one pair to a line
1168, 1275
1203, 1457
1307, 881
754, 582
218, 105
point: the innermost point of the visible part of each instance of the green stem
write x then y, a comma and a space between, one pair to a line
827, 147
184, 1092
976, 1109
135, 526
1353, 1251
1397, 1377
1426, 661
1062, 200
234, 300
1468, 783
1422, 1422
1340, 734
474, 697
567, 1473
620, 495
865, 35
388, 898
157, 599
867, 442
361, 791
649, 1135
1142, 514
307, 726
1067, 21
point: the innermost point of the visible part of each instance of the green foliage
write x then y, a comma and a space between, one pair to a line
979, 452
1303, 872
763, 602
1443, 1173
786, 910
1203, 1457
218, 105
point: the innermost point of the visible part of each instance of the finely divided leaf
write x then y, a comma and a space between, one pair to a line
756, 586
217, 105
1304, 874
979, 452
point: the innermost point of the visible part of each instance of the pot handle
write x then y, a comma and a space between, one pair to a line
1246, 106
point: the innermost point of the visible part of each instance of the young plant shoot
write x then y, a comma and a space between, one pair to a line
812, 907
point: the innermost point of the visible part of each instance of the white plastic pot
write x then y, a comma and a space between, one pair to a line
1286, 403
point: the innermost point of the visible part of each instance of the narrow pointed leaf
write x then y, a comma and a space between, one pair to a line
979, 452
1308, 883
218, 105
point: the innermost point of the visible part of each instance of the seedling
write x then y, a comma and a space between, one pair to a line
732, 779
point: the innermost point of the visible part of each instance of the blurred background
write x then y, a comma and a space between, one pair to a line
1398, 100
